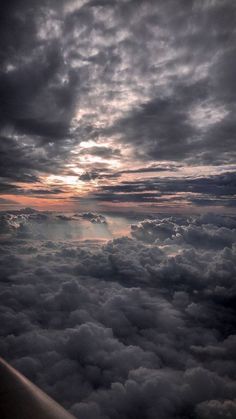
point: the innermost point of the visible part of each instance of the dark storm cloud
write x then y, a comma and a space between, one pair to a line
127, 329
223, 184
23, 159
162, 129
105, 174
104, 152
35, 99
17, 162
167, 125
150, 169
87, 176
215, 189
38, 90
137, 72
159, 129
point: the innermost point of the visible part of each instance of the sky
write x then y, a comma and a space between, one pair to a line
118, 106
117, 205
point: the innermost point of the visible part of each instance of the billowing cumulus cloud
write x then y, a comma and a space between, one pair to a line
139, 326
192, 232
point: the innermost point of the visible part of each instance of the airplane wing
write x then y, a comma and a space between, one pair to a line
21, 399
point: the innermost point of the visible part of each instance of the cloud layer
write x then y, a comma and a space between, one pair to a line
141, 326
98, 89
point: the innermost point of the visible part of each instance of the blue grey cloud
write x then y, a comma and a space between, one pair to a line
140, 326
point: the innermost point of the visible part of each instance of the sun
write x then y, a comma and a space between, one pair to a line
62, 180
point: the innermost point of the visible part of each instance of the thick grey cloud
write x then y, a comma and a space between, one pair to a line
104, 152
32, 224
212, 190
38, 90
106, 174
94, 218
132, 328
189, 113
223, 184
159, 129
138, 73
35, 98
168, 231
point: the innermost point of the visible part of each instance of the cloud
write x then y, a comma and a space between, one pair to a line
36, 100
157, 128
168, 231
87, 176
33, 224
117, 72
217, 409
218, 190
139, 326
94, 218
188, 114
101, 151
216, 185
38, 90
106, 174
136, 326
7, 201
